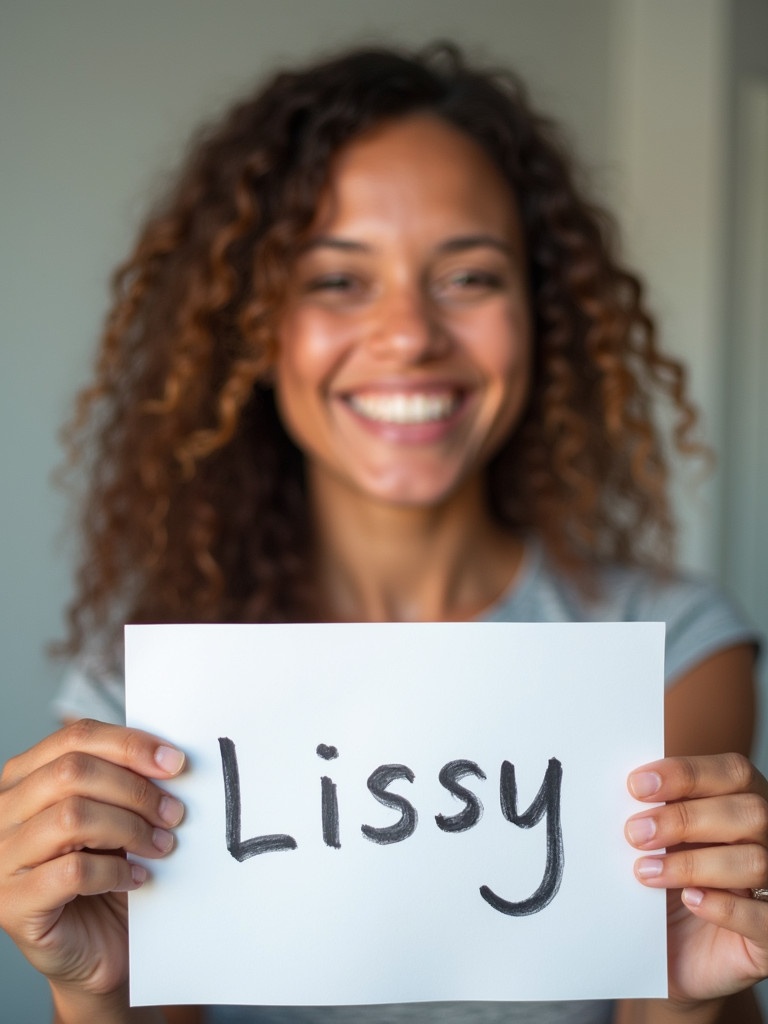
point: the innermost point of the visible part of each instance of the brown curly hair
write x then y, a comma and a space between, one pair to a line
195, 503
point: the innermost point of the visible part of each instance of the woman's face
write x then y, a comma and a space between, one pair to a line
404, 350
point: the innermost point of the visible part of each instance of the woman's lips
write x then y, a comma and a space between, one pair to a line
407, 416
405, 407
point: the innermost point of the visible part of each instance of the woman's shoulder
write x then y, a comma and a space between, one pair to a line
700, 617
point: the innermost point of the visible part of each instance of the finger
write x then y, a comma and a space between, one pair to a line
744, 866
132, 748
76, 824
737, 818
78, 774
58, 882
681, 778
736, 913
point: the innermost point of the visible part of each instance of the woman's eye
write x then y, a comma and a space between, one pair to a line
470, 282
475, 279
338, 283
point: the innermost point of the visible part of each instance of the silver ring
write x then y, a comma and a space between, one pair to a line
759, 894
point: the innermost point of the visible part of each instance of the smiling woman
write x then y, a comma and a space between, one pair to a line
314, 253
405, 344
374, 358
404, 352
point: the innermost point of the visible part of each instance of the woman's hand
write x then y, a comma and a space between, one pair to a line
71, 807
715, 828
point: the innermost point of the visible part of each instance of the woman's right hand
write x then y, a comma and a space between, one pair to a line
71, 807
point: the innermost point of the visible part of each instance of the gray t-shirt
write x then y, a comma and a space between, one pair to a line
700, 621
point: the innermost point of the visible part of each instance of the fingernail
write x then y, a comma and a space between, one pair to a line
171, 810
162, 840
692, 897
138, 873
641, 830
649, 867
169, 759
643, 784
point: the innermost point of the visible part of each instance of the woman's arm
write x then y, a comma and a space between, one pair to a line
711, 800
711, 709
183, 1014
73, 1006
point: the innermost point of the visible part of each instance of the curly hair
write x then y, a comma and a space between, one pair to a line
195, 506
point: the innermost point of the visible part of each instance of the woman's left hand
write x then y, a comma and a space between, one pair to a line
714, 825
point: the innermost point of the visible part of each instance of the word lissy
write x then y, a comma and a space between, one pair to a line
545, 803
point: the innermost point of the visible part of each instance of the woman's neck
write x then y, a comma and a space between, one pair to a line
385, 563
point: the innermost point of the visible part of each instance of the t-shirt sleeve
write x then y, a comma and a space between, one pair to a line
701, 620
86, 692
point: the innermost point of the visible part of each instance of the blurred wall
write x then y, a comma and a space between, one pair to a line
96, 98
744, 352
669, 129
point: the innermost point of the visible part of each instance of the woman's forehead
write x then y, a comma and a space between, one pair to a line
416, 167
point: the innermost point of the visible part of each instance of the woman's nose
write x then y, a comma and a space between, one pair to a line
406, 328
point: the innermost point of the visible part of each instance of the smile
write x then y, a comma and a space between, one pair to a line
406, 407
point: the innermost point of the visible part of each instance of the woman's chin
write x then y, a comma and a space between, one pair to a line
412, 492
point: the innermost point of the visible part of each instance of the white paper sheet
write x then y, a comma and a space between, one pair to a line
401, 921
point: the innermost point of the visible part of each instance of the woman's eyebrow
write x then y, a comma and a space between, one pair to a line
462, 242
450, 245
334, 242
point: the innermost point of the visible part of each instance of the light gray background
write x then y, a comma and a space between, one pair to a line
96, 98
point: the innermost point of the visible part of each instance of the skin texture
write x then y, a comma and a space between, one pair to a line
387, 301
88, 787
710, 709
408, 285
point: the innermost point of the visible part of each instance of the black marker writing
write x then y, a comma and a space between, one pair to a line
329, 804
242, 850
377, 784
546, 801
449, 775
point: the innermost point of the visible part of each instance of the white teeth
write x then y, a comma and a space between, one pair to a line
404, 407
